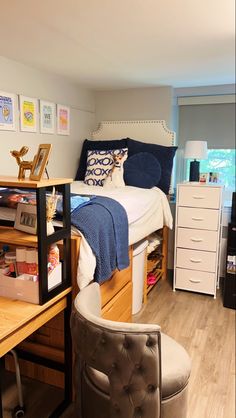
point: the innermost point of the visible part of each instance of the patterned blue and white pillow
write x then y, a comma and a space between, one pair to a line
99, 165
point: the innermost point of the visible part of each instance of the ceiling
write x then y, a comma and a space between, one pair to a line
109, 44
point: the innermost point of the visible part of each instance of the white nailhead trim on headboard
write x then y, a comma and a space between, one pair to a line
154, 131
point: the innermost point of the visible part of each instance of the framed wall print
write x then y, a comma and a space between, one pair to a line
26, 218
28, 114
7, 111
47, 117
40, 162
63, 120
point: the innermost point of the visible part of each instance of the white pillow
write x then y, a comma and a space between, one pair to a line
99, 165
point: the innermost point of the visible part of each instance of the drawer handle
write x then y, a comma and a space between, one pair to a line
197, 219
196, 239
193, 260
195, 281
198, 196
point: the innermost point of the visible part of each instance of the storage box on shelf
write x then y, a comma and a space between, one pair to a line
197, 237
26, 289
43, 290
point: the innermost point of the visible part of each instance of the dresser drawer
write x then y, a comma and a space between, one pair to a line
196, 260
199, 197
197, 239
118, 280
198, 218
120, 306
197, 281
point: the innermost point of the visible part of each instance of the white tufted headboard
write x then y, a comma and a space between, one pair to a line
152, 131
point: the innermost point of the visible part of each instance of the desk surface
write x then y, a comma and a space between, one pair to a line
20, 319
10, 181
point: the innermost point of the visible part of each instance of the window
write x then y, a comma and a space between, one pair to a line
221, 161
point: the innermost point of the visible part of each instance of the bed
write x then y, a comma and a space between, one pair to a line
154, 214
151, 206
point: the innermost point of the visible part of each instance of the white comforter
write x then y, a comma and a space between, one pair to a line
147, 211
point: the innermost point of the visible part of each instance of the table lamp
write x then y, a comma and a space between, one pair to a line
196, 150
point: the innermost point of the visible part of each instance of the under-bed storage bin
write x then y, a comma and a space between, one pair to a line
27, 290
139, 261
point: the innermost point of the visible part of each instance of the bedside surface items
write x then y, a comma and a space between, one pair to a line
197, 237
37, 166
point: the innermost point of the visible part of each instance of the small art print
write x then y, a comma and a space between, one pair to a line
213, 177
47, 117
7, 111
28, 114
63, 120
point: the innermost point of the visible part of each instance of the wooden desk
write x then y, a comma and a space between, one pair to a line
20, 319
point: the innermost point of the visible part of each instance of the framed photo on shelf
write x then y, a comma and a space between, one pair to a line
40, 162
203, 177
28, 114
47, 117
63, 120
26, 218
213, 177
7, 111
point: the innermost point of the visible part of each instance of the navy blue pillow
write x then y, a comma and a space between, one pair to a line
96, 145
142, 170
165, 156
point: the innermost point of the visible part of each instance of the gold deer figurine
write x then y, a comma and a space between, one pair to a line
23, 165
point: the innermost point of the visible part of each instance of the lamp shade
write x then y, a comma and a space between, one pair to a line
196, 150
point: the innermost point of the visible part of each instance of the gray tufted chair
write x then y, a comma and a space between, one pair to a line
125, 370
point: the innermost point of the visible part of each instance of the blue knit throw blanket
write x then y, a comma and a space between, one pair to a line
104, 224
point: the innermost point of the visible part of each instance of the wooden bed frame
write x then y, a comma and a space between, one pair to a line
116, 293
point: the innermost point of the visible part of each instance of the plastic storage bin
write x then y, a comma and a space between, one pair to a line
139, 260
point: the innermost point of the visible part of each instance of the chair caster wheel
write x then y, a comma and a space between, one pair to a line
19, 411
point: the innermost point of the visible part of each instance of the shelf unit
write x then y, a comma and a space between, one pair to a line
156, 262
50, 361
42, 241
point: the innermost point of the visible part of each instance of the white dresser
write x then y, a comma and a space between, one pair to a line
197, 237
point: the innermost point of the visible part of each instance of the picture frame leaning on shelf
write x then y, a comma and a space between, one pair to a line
26, 218
40, 162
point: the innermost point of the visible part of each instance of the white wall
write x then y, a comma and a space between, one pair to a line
20, 79
135, 104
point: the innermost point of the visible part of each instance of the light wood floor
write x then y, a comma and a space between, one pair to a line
39, 399
203, 326
207, 330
